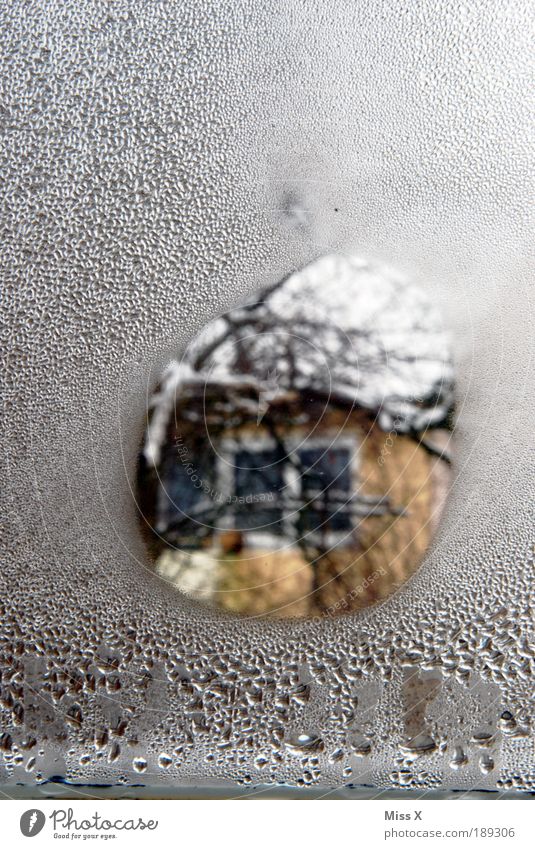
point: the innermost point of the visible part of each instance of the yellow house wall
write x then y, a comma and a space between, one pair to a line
389, 548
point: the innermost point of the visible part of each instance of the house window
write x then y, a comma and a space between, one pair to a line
271, 497
183, 506
325, 489
258, 484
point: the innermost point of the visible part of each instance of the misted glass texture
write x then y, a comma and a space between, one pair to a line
163, 163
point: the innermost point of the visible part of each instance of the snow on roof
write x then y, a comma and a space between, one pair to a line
342, 325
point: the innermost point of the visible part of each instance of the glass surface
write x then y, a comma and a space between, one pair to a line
161, 163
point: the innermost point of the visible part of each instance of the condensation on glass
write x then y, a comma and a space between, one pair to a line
297, 456
161, 163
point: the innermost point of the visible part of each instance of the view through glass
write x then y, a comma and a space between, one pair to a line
297, 457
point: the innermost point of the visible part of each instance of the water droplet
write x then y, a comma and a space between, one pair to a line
360, 745
304, 744
420, 745
486, 764
507, 723
483, 739
458, 758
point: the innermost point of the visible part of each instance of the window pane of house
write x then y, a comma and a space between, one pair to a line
259, 485
325, 489
183, 506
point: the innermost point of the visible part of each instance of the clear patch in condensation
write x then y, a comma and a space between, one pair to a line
297, 457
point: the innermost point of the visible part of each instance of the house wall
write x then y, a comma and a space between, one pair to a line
392, 548
383, 553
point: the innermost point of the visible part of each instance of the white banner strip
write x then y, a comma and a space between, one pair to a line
266, 824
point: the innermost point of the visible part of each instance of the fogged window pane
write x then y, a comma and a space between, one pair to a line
159, 160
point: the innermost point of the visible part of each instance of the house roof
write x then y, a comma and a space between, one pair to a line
341, 330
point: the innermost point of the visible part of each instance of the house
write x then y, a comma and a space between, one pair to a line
315, 508
276, 478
